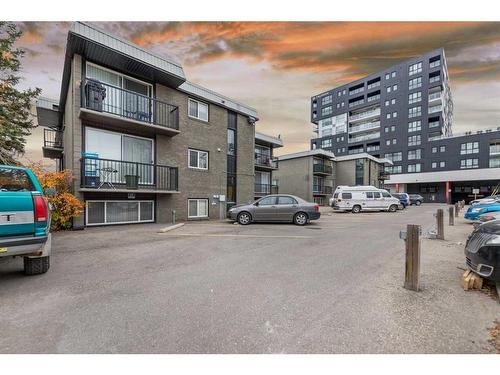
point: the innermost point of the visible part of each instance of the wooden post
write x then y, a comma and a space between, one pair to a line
440, 224
451, 217
412, 269
457, 209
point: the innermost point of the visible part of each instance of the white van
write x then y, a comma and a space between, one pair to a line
363, 198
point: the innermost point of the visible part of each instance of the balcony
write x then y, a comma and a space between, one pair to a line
265, 161
322, 190
357, 117
435, 109
495, 150
125, 110
265, 189
364, 127
322, 168
435, 98
52, 143
365, 137
116, 176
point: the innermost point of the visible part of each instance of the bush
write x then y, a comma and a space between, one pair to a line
64, 205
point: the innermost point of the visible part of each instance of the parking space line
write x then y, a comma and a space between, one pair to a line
230, 235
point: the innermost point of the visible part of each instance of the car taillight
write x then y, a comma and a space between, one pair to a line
316, 207
41, 210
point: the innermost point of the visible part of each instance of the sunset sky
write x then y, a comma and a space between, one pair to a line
276, 67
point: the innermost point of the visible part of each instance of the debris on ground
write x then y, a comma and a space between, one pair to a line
494, 341
470, 280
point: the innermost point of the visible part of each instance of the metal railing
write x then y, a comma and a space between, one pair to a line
266, 189
435, 96
265, 160
52, 138
102, 97
365, 137
366, 126
434, 109
322, 168
434, 79
320, 189
362, 115
116, 174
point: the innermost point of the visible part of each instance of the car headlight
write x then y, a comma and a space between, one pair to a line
493, 241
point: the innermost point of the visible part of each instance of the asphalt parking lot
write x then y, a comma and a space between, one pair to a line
334, 286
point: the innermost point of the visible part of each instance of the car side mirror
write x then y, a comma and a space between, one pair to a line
256, 204
50, 192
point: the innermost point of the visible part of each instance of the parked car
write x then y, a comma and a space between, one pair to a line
482, 250
416, 199
275, 208
486, 200
474, 211
489, 216
363, 198
403, 198
24, 219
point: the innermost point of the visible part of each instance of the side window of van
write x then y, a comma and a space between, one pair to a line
376, 194
369, 195
386, 194
346, 196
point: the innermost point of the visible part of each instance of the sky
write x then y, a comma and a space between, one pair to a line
276, 67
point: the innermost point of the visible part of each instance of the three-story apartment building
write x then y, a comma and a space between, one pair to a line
144, 143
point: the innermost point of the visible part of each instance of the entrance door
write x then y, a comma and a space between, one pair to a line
138, 150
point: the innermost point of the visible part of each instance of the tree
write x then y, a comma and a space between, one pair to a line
15, 119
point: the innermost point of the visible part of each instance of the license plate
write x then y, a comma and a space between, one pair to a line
3, 250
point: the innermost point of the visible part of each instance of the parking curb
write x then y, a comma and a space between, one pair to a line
171, 227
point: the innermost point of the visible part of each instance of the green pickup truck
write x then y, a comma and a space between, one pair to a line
24, 219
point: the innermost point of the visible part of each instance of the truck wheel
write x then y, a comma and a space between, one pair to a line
393, 208
356, 209
36, 266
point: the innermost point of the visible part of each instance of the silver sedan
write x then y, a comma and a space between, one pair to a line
276, 208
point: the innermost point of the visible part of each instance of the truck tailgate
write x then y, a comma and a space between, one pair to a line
16, 213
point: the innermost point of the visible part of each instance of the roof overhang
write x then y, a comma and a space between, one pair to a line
302, 154
364, 155
443, 176
108, 50
273, 141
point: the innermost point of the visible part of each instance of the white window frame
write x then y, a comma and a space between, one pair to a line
120, 222
198, 216
198, 158
121, 75
198, 102
415, 68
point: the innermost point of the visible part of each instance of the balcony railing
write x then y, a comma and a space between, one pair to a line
319, 189
365, 114
102, 97
434, 79
434, 109
264, 160
363, 127
266, 189
322, 168
52, 138
364, 137
116, 174
434, 124
435, 96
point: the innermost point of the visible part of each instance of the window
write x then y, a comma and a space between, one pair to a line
386, 129
118, 212
442, 148
198, 159
14, 180
326, 143
387, 76
434, 150
387, 103
415, 68
435, 62
394, 141
393, 128
393, 74
326, 100
415, 112
469, 163
342, 104
369, 194
388, 142
393, 101
338, 94
442, 164
395, 156
198, 110
346, 195
326, 111
415, 97
394, 88
359, 172
231, 144
414, 126
388, 115
434, 165
415, 83
414, 140
388, 89
412, 168
286, 200
414, 154
495, 163
394, 114
435, 108
469, 148
397, 169
197, 208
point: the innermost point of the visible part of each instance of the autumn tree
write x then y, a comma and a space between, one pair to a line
15, 119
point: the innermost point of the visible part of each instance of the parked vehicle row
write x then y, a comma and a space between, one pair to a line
24, 219
476, 210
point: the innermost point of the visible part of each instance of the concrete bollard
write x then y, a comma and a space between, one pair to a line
173, 217
412, 264
451, 215
440, 224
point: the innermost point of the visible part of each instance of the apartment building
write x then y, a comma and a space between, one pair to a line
313, 175
265, 164
145, 144
405, 113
